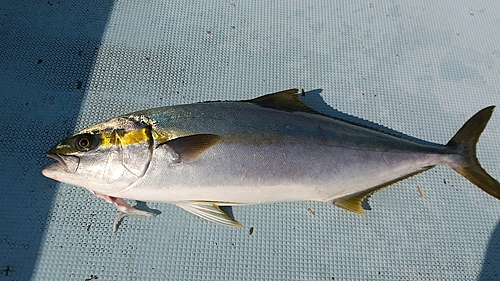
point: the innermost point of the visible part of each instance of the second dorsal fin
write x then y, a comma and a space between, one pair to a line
287, 100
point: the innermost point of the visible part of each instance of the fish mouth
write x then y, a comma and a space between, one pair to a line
68, 163
60, 162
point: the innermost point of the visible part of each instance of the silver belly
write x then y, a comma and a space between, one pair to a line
243, 174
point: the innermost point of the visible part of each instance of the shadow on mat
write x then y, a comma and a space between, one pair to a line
491, 264
48, 49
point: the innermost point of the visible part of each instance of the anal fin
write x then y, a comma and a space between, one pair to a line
209, 211
353, 202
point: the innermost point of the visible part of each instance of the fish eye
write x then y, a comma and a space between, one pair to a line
83, 143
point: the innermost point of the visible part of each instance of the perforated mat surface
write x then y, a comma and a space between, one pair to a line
420, 68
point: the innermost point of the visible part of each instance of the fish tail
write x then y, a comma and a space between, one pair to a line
464, 143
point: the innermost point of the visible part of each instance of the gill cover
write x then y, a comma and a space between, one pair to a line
129, 153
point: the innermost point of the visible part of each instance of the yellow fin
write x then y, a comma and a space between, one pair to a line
287, 100
352, 202
190, 148
464, 143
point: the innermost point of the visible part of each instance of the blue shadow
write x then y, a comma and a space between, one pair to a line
47, 51
491, 263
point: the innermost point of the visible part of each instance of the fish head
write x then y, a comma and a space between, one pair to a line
107, 157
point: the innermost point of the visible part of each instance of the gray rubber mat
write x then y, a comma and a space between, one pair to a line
419, 68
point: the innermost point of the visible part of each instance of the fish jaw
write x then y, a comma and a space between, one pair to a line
52, 171
65, 164
63, 170
68, 163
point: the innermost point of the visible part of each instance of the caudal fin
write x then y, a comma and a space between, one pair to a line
464, 143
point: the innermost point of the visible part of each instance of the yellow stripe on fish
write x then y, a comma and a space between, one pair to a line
123, 138
162, 135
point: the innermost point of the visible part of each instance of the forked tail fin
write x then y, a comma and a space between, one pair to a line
464, 143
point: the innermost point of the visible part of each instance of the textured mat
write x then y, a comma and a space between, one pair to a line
418, 68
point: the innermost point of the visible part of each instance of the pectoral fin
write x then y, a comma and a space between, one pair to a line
190, 148
210, 212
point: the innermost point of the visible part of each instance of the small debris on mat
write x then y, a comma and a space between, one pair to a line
92, 277
251, 231
6, 271
421, 194
312, 211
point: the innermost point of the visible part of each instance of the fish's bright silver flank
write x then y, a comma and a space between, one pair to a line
272, 148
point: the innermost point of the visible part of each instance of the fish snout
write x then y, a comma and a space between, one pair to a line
67, 163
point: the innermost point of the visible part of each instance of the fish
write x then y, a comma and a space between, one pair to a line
204, 157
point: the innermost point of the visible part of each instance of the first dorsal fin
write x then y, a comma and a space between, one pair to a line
287, 100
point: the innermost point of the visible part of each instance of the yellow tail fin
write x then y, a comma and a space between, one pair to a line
464, 143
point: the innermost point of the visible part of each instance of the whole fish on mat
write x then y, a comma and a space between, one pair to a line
273, 148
